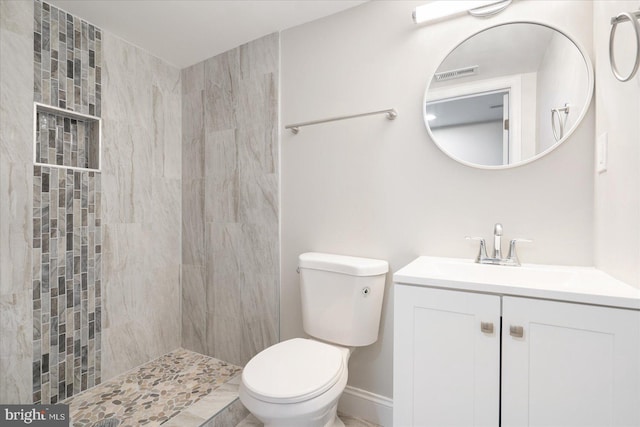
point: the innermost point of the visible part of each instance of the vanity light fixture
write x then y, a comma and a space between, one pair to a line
430, 117
444, 9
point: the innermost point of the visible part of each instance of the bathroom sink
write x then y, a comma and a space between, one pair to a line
469, 271
564, 283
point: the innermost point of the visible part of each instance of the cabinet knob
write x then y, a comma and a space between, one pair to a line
516, 331
486, 327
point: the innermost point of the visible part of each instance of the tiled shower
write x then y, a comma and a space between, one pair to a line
142, 211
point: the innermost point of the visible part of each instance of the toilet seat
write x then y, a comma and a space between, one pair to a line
293, 371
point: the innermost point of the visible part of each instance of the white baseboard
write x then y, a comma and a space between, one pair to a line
366, 405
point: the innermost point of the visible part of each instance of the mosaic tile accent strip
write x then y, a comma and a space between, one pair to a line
66, 141
67, 60
67, 246
153, 393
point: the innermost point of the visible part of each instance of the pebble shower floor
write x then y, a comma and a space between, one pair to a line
154, 393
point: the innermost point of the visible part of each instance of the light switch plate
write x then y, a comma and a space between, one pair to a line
602, 152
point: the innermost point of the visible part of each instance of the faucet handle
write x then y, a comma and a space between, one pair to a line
521, 240
482, 253
513, 256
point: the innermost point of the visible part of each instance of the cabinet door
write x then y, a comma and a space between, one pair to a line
446, 370
575, 365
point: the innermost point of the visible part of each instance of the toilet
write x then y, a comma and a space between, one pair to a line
297, 383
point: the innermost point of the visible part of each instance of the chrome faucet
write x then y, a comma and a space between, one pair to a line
496, 259
497, 241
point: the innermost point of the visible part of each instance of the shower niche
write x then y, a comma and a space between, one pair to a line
64, 138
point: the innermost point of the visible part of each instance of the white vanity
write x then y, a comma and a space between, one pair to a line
483, 345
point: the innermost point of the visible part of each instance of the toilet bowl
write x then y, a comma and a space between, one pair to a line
298, 382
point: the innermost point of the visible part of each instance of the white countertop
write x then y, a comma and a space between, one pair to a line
585, 285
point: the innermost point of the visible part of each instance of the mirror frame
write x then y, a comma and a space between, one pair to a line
587, 105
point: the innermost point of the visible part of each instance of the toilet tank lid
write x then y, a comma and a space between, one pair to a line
354, 266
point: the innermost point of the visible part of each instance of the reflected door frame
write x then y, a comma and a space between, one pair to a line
513, 84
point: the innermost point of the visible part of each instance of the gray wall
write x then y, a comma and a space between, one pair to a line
382, 189
562, 78
617, 191
230, 202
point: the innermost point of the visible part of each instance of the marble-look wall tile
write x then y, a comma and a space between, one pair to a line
221, 74
141, 298
142, 206
15, 226
16, 96
240, 212
225, 335
167, 130
194, 308
257, 176
243, 269
16, 182
254, 99
222, 177
193, 250
16, 317
123, 202
166, 120
193, 161
260, 57
193, 79
193, 136
16, 149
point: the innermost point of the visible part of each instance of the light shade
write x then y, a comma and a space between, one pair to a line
440, 10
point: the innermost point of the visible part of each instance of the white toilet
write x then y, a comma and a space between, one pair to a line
297, 383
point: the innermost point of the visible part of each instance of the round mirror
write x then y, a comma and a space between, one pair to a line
508, 95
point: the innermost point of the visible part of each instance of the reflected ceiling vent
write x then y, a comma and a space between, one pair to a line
456, 74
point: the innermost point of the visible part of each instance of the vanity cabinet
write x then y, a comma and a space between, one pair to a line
575, 365
446, 370
480, 359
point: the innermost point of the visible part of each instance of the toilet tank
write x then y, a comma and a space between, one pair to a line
342, 297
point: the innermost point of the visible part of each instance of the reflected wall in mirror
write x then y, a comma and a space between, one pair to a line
508, 95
